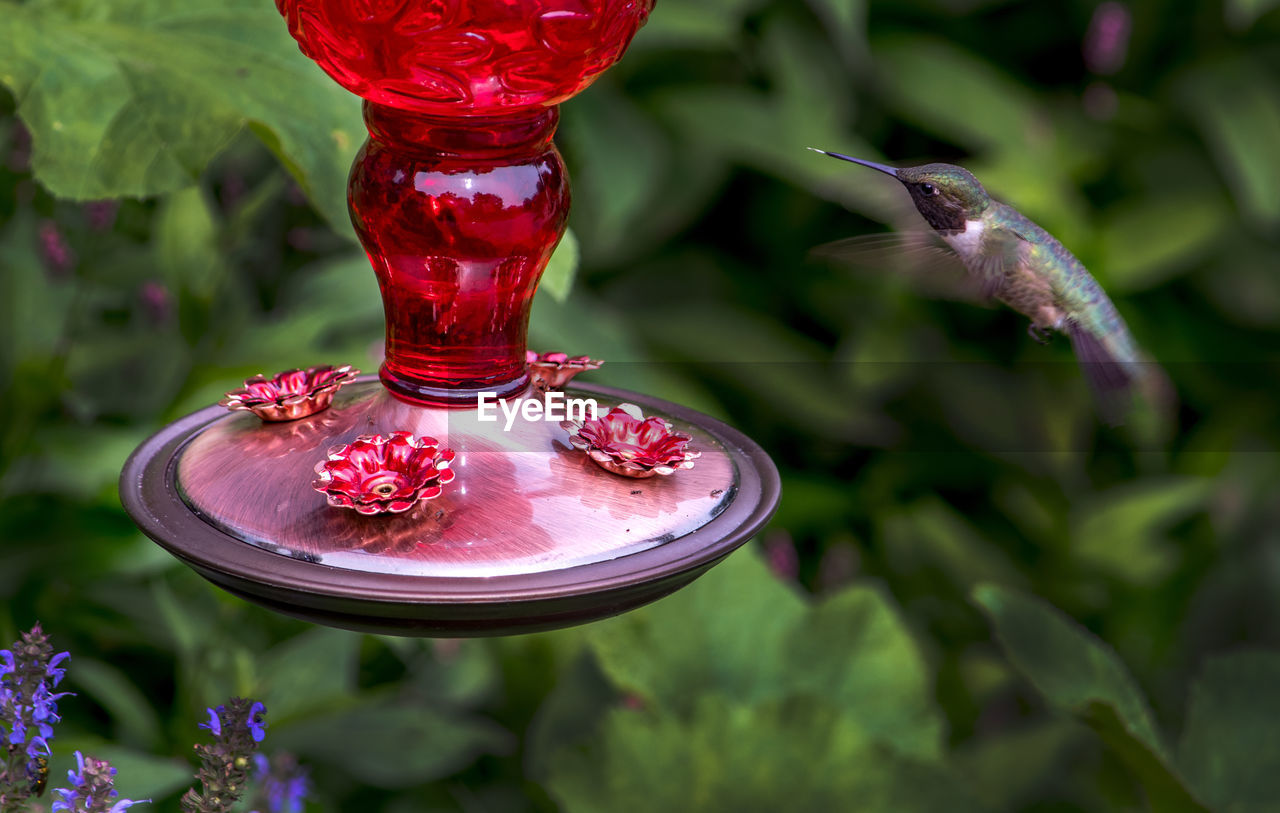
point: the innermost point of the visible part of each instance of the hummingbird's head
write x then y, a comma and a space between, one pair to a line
945, 194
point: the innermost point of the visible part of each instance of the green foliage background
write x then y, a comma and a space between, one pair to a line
946, 482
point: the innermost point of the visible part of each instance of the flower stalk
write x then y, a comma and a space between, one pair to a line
237, 728
29, 672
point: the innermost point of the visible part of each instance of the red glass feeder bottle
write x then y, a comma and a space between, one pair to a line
459, 197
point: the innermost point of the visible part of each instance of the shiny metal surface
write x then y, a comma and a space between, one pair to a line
523, 500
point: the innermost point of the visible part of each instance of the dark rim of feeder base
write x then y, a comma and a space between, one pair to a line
443, 606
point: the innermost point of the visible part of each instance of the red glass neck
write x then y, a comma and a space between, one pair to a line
458, 216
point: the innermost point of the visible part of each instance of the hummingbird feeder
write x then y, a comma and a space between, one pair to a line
394, 503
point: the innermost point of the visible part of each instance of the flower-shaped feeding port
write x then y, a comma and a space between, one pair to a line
377, 475
292, 394
551, 371
626, 442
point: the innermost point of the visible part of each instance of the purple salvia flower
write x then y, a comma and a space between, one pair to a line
28, 711
92, 789
215, 721
257, 721
237, 728
1106, 42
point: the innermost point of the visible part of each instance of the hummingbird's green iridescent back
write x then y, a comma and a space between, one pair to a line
1022, 265
1074, 290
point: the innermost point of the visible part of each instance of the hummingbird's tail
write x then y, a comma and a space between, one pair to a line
1116, 370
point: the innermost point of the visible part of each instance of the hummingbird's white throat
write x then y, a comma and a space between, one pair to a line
966, 243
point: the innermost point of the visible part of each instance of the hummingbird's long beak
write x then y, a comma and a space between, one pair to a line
885, 169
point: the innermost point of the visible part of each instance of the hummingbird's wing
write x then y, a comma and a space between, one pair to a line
922, 258
1002, 250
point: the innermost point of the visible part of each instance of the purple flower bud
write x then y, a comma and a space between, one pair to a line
54, 249
157, 302
1106, 42
780, 554
101, 214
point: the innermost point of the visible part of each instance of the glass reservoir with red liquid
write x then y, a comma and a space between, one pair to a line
459, 195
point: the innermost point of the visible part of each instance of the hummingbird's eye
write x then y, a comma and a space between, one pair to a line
928, 189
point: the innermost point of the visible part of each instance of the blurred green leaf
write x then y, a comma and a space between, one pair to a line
316, 669
464, 678
846, 20
759, 354
757, 640
135, 99
745, 619
185, 243
1231, 746
136, 722
930, 534
1121, 531
1241, 14
1007, 768
181, 620
1080, 675
569, 715
957, 94
808, 104
1146, 244
392, 746
709, 24
1236, 105
557, 280
797, 754
584, 323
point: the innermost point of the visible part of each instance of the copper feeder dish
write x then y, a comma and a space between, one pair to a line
540, 537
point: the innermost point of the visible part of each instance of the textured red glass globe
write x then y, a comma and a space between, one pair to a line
459, 196
451, 57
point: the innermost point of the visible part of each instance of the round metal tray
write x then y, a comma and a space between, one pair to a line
604, 544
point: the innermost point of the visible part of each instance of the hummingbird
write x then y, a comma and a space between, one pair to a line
1015, 261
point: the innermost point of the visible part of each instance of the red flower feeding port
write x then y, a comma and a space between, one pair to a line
459, 197
552, 371
626, 442
377, 475
292, 394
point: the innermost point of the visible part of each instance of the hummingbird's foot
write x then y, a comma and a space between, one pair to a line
1037, 333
